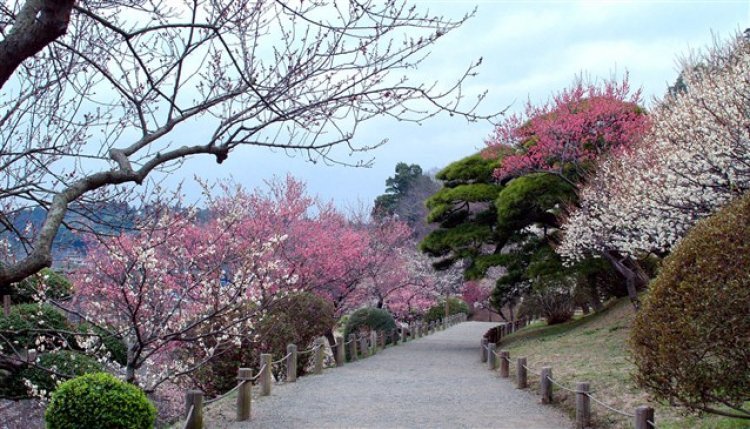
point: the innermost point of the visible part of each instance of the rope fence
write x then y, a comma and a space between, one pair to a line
642, 418
358, 347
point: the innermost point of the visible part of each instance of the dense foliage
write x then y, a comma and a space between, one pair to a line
369, 319
34, 326
46, 284
437, 312
691, 340
99, 401
52, 369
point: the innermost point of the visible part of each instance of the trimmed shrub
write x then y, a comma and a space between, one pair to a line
691, 339
25, 317
369, 319
57, 286
437, 312
99, 401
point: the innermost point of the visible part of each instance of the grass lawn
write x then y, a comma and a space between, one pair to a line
593, 348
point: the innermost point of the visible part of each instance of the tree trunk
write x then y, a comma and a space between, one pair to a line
635, 278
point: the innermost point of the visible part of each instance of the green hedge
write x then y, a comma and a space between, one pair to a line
691, 339
25, 318
437, 312
58, 286
63, 362
99, 401
369, 319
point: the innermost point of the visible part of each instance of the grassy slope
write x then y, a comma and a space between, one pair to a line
594, 349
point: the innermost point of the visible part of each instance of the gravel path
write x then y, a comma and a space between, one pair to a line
433, 382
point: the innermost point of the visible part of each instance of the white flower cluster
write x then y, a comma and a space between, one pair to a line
694, 159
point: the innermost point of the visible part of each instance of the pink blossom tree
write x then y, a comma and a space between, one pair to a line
563, 135
177, 284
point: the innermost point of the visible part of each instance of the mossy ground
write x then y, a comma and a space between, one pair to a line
594, 348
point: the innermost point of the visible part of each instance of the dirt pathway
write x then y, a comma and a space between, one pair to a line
433, 382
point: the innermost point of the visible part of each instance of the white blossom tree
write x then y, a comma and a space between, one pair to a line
694, 159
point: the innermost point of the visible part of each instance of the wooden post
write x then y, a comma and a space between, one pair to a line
643, 415
521, 377
545, 385
583, 405
319, 356
404, 334
6, 305
504, 363
340, 352
352, 347
244, 394
483, 350
395, 336
194, 400
373, 342
291, 363
417, 329
266, 375
381, 337
491, 357
363, 349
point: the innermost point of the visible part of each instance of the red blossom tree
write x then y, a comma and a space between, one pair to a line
565, 134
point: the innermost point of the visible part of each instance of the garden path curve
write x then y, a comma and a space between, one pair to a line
434, 382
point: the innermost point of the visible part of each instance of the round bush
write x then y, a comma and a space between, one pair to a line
369, 319
437, 312
691, 339
99, 400
57, 286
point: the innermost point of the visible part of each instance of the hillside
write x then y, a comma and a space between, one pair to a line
594, 349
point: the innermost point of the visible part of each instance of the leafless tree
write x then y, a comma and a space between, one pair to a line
94, 91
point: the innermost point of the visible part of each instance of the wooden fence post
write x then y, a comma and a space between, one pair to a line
644, 417
266, 375
381, 338
483, 350
352, 347
340, 352
291, 363
545, 385
6, 305
319, 354
373, 342
194, 400
583, 405
363, 349
521, 376
244, 394
491, 357
504, 363
395, 336
403, 334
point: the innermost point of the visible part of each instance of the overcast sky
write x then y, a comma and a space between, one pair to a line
530, 49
